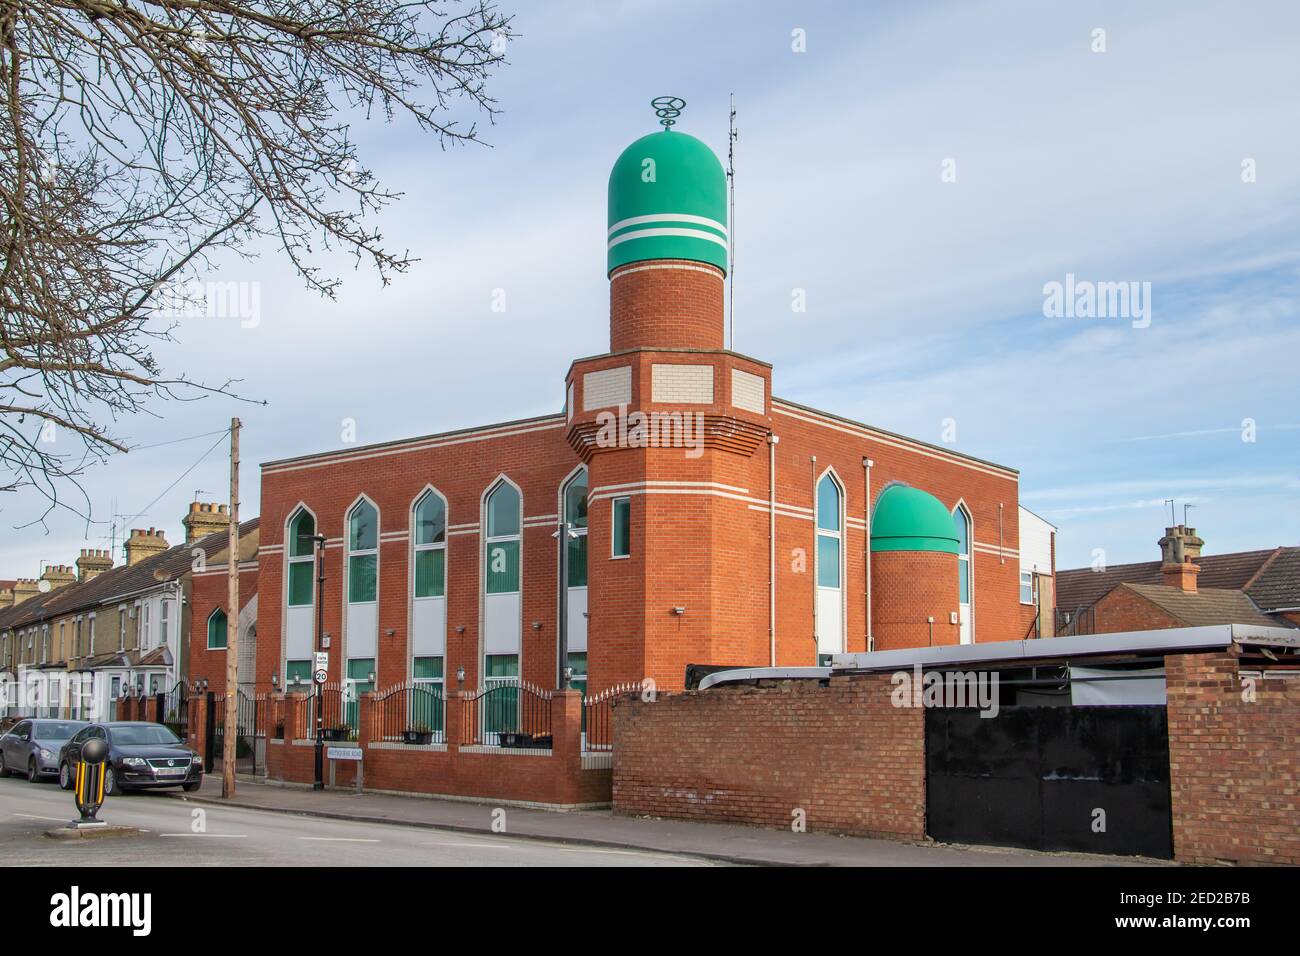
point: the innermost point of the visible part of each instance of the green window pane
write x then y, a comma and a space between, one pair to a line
362, 571
501, 665
963, 531
828, 561
301, 530
503, 511
575, 501
622, 530
430, 577
297, 671
578, 664
963, 581
217, 630
502, 572
578, 561
363, 527
300, 582
427, 668
828, 504
360, 668
430, 520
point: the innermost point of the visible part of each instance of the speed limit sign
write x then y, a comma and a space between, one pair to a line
321, 675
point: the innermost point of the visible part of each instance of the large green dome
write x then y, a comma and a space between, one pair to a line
667, 200
909, 519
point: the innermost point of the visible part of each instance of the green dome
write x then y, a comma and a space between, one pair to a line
667, 200
909, 519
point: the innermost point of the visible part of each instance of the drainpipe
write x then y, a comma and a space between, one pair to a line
771, 544
1002, 558
867, 463
816, 646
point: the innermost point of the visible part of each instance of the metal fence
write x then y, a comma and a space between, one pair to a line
174, 709
414, 713
507, 713
338, 710
597, 718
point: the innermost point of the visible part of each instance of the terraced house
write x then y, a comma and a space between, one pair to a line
84, 641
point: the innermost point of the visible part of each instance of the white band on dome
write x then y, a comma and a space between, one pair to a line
668, 217
647, 233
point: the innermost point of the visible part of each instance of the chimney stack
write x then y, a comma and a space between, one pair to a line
205, 518
93, 561
1179, 550
58, 575
6, 598
25, 588
144, 544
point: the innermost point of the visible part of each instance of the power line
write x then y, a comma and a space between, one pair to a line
181, 477
177, 441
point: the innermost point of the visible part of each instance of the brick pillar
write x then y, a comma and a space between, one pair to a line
452, 721
150, 709
198, 718
566, 743
294, 706
366, 729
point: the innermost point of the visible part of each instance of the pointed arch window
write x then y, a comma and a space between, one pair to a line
502, 541
961, 521
430, 546
575, 515
829, 534
302, 531
217, 637
363, 553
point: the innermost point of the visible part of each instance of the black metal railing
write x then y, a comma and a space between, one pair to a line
597, 717
414, 713
174, 709
507, 713
339, 713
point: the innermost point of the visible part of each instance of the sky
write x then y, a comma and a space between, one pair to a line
916, 173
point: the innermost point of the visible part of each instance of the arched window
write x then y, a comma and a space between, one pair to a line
363, 553
217, 637
302, 531
502, 551
575, 516
830, 568
829, 534
962, 523
430, 546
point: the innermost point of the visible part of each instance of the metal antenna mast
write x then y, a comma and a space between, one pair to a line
731, 224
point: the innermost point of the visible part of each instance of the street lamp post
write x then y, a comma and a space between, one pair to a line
319, 541
566, 532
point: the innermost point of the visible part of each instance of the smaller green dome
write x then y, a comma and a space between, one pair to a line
667, 200
909, 519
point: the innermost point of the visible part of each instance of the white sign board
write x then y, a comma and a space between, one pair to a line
322, 660
343, 753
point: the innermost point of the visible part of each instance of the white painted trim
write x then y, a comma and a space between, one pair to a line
651, 233
970, 567
628, 270
410, 584
666, 217
348, 553
667, 484
864, 431
413, 445
501, 478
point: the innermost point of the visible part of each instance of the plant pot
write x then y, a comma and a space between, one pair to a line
335, 733
279, 731
418, 737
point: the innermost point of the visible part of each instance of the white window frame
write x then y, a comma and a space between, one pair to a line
207, 637
416, 547
349, 553
613, 537
291, 559
1033, 589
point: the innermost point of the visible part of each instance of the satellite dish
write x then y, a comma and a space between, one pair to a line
43, 586
161, 574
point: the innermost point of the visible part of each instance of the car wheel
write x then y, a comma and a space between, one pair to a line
4, 771
191, 786
65, 776
110, 782
33, 775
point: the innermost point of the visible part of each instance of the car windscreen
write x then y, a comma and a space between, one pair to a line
144, 734
55, 729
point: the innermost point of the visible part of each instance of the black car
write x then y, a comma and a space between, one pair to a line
140, 755
32, 747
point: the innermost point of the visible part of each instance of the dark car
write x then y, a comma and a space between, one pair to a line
140, 755
32, 747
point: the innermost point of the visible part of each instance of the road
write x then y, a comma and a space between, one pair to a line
238, 837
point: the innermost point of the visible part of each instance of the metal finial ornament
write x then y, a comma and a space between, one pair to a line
668, 108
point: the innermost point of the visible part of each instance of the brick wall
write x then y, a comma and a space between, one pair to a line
672, 304
1234, 764
841, 753
907, 587
1125, 610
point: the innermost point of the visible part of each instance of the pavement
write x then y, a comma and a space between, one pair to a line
602, 829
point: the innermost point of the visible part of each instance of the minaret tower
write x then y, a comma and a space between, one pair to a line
673, 428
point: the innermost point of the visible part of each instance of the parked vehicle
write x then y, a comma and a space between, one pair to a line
140, 755
32, 747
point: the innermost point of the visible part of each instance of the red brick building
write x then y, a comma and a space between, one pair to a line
707, 521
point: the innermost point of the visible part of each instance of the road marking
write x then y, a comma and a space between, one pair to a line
226, 836
475, 846
32, 816
337, 840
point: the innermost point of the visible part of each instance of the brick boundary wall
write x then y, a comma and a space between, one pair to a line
756, 754
1234, 765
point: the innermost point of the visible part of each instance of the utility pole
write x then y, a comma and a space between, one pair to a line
232, 625
318, 782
